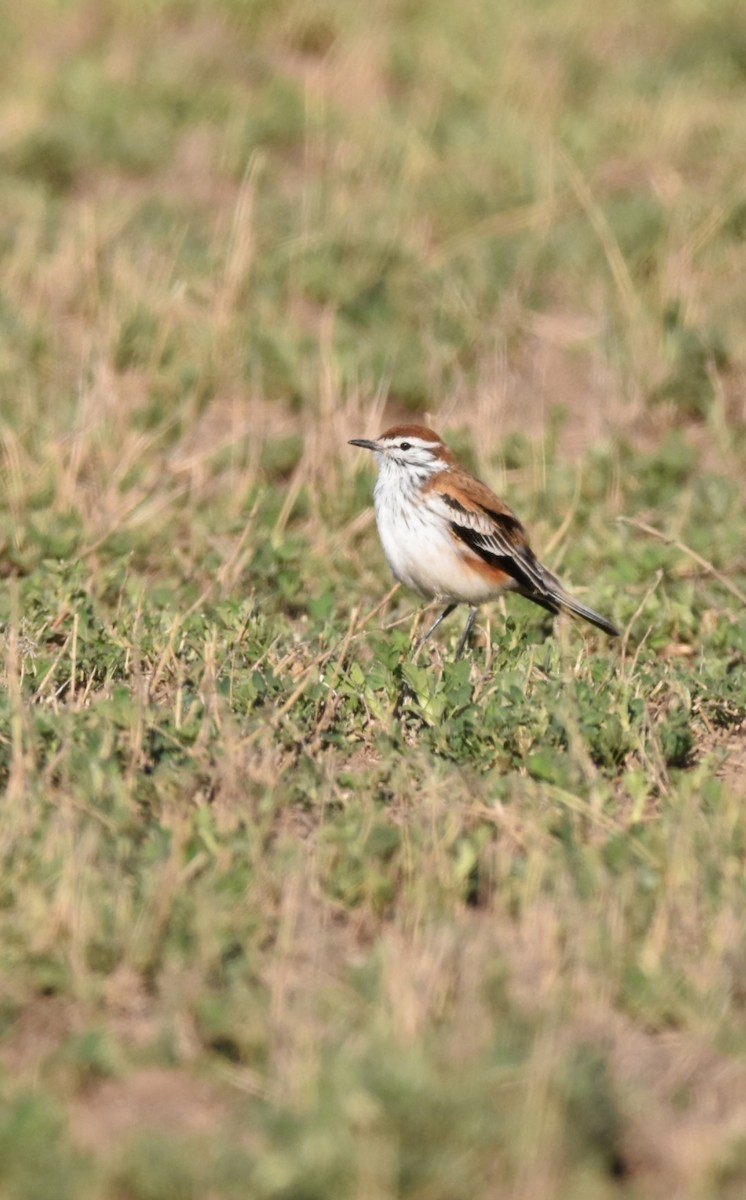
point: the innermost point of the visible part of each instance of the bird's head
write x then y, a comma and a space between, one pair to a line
414, 449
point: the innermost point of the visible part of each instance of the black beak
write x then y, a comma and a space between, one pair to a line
366, 443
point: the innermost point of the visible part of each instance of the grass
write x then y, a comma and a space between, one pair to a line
257, 936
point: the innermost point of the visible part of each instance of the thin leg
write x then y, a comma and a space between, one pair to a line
465, 635
445, 613
406, 692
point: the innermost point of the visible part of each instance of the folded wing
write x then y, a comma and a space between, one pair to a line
498, 537
491, 530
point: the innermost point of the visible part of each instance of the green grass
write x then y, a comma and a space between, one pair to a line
258, 937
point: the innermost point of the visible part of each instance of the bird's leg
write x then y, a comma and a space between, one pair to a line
406, 692
445, 613
465, 635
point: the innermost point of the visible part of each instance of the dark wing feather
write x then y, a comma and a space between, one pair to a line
491, 530
500, 539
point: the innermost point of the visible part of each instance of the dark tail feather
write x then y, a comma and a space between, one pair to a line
574, 606
556, 599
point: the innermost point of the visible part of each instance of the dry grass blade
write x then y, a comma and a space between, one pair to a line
687, 550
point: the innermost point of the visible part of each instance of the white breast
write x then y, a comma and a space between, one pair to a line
421, 551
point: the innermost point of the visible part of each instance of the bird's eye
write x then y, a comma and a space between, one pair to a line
405, 445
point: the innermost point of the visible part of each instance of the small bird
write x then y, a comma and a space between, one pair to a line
449, 538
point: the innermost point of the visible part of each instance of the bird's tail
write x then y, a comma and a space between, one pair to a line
556, 599
580, 610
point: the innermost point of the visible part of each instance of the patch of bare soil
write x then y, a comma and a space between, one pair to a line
684, 1106
728, 748
40, 1029
154, 1098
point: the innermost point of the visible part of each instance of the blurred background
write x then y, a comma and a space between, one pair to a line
254, 938
480, 210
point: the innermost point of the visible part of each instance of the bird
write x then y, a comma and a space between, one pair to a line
448, 537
